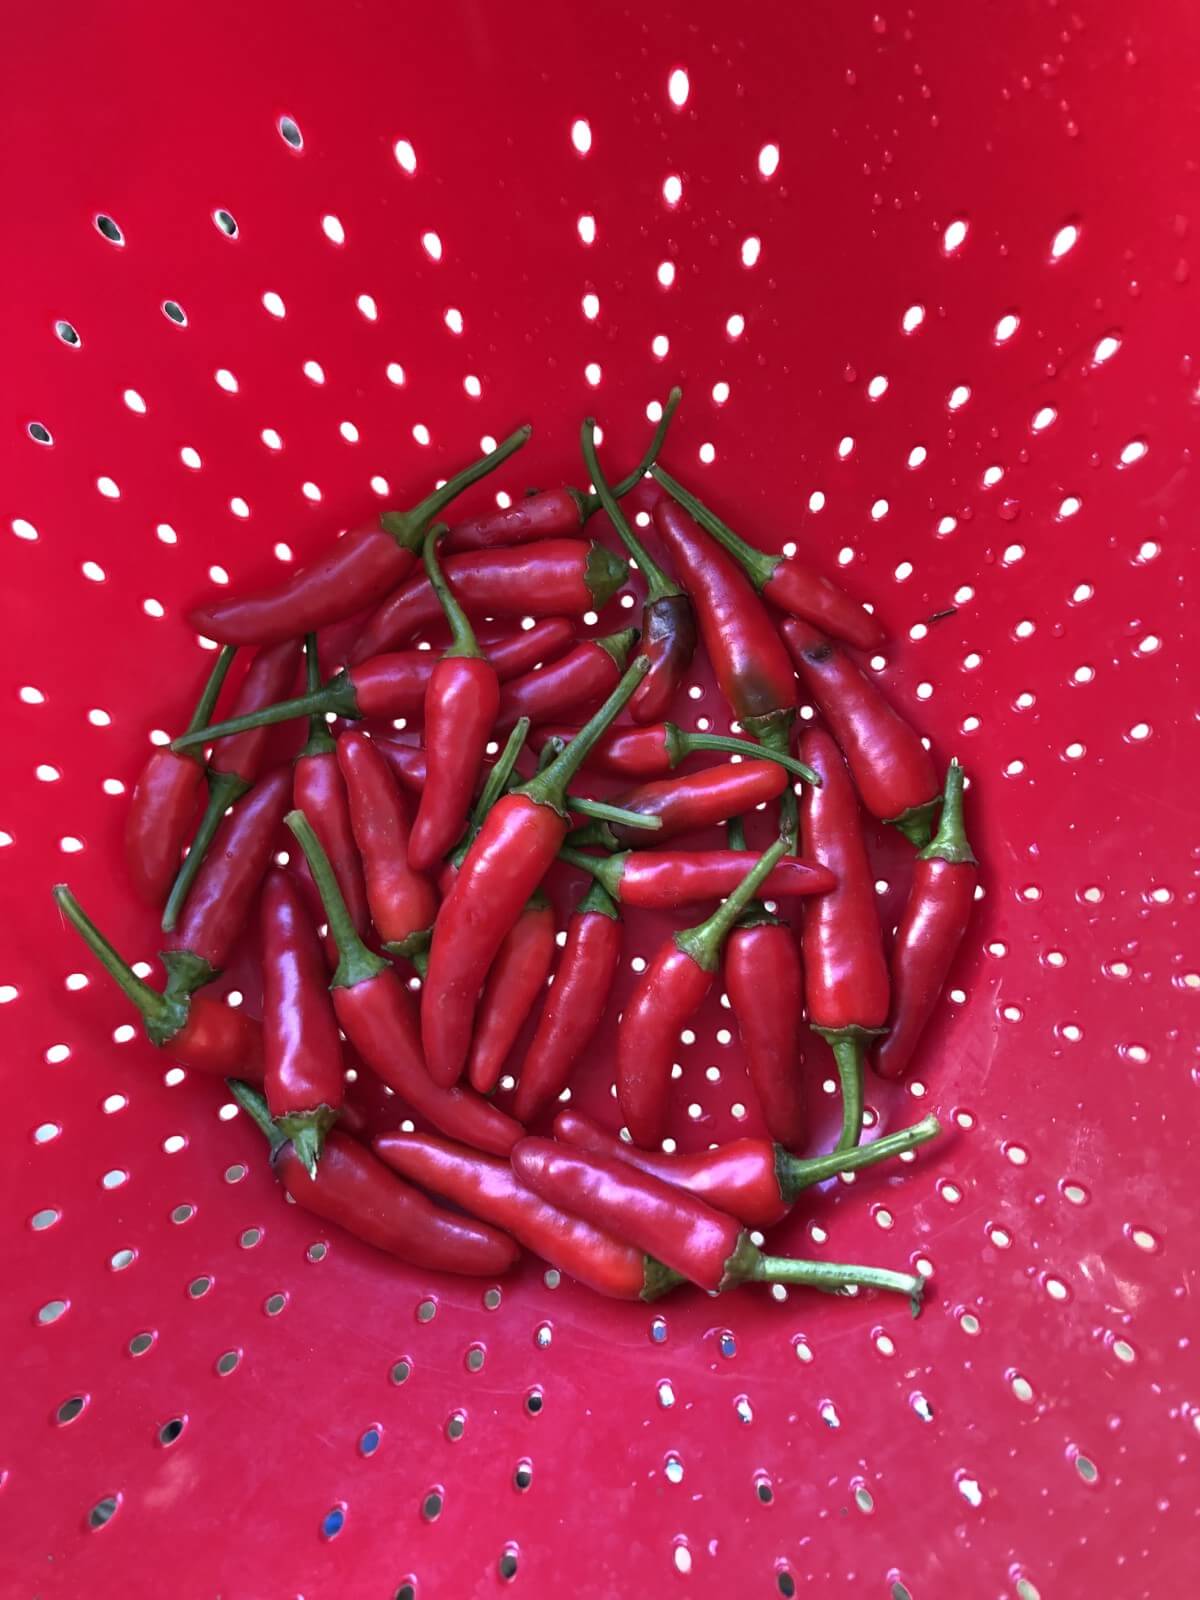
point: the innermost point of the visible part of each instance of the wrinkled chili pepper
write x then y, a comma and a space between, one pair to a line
163, 807
755, 1180
234, 763
560, 577
668, 995
893, 772
354, 1189
574, 1005
518, 975
656, 750
304, 1081
378, 1016
357, 570
695, 800
488, 1188
930, 932
577, 681
845, 971
706, 1246
668, 621
660, 880
784, 581
514, 849
194, 1030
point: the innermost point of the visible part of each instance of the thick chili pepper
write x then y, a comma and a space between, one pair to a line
406, 763
845, 971
668, 621
194, 1030
487, 1188
669, 993
930, 932
402, 902
656, 750
893, 772
164, 803
518, 975
577, 681
357, 1191
514, 849
378, 1016
561, 577
784, 581
696, 800
358, 569
574, 1005
660, 880
233, 763
707, 1246
218, 906
755, 1180
304, 1078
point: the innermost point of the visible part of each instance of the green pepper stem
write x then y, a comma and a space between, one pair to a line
756, 914
681, 744
320, 740
604, 870
916, 824
463, 642
601, 811
835, 1277
757, 564
598, 900
950, 842
703, 942
549, 788
658, 585
224, 790
337, 695
847, 1046
591, 502
204, 706
735, 832
356, 964
409, 528
774, 732
794, 1173
618, 645
307, 1131
163, 1017
592, 835
255, 1107
494, 786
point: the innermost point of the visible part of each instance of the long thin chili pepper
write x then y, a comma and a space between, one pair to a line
402, 902
548, 513
930, 932
668, 621
487, 1188
656, 750
357, 570
354, 1189
577, 681
378, 1015
304, 1078
163, 807
218, 907
560, 577
845, 971
660, 880
784, 581
575, 1004
755, 1180
517, 977
234, 763
514, 849
406, 762
893, 772
194, 1030
498, 781
707, 1246
696, 800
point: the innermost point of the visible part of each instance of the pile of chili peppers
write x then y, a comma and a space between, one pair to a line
407, 933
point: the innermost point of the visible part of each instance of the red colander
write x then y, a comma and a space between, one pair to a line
925, 276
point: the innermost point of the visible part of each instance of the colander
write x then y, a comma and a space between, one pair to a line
925, 276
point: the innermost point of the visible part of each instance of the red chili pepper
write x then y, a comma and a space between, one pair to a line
668, 621
354, 1189
755, 1180
234, 763
845, 972
930, 931
656, 750
700, 1243
358, 569
514, 849
893, 771
561, 577
194, 1030
784, 581
378, 1016
574, 1005
578, 680
660, 880
517, 978
407, 765
488, 1188
164, 803
696, 800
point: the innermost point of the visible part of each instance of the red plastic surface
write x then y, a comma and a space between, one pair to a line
1036, 1432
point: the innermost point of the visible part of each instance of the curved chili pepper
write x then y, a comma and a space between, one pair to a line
402, 902
378, 1016
784, 581
845, 971
657, 749
233, 763
358, 569
164, 802
660, 880
696, 800
357, 1191
488, 1188
755, 1180
669, 993
518, 975
514, 849
561, 577
497, 782
702, 1244
406, 763
930, 932
893, 772
580, 679
574, 1005
668, 621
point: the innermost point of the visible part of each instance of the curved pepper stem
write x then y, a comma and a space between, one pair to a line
202, 715
463, 642
549, 788
494, 787
794, 1173
255, 1107
618, 645
599, 901
604, 870
224, 790
307, 1131
835, 1277
591, 502
703, 942
756, 914
658, 585
409, 528
848, 1046
320, 740
950, 842
601, 811
916, 824
337, 696
356, 964
774, 733
757, 564
681, 744
162, 1015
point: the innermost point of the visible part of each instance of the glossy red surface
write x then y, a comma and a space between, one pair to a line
1036, 1432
